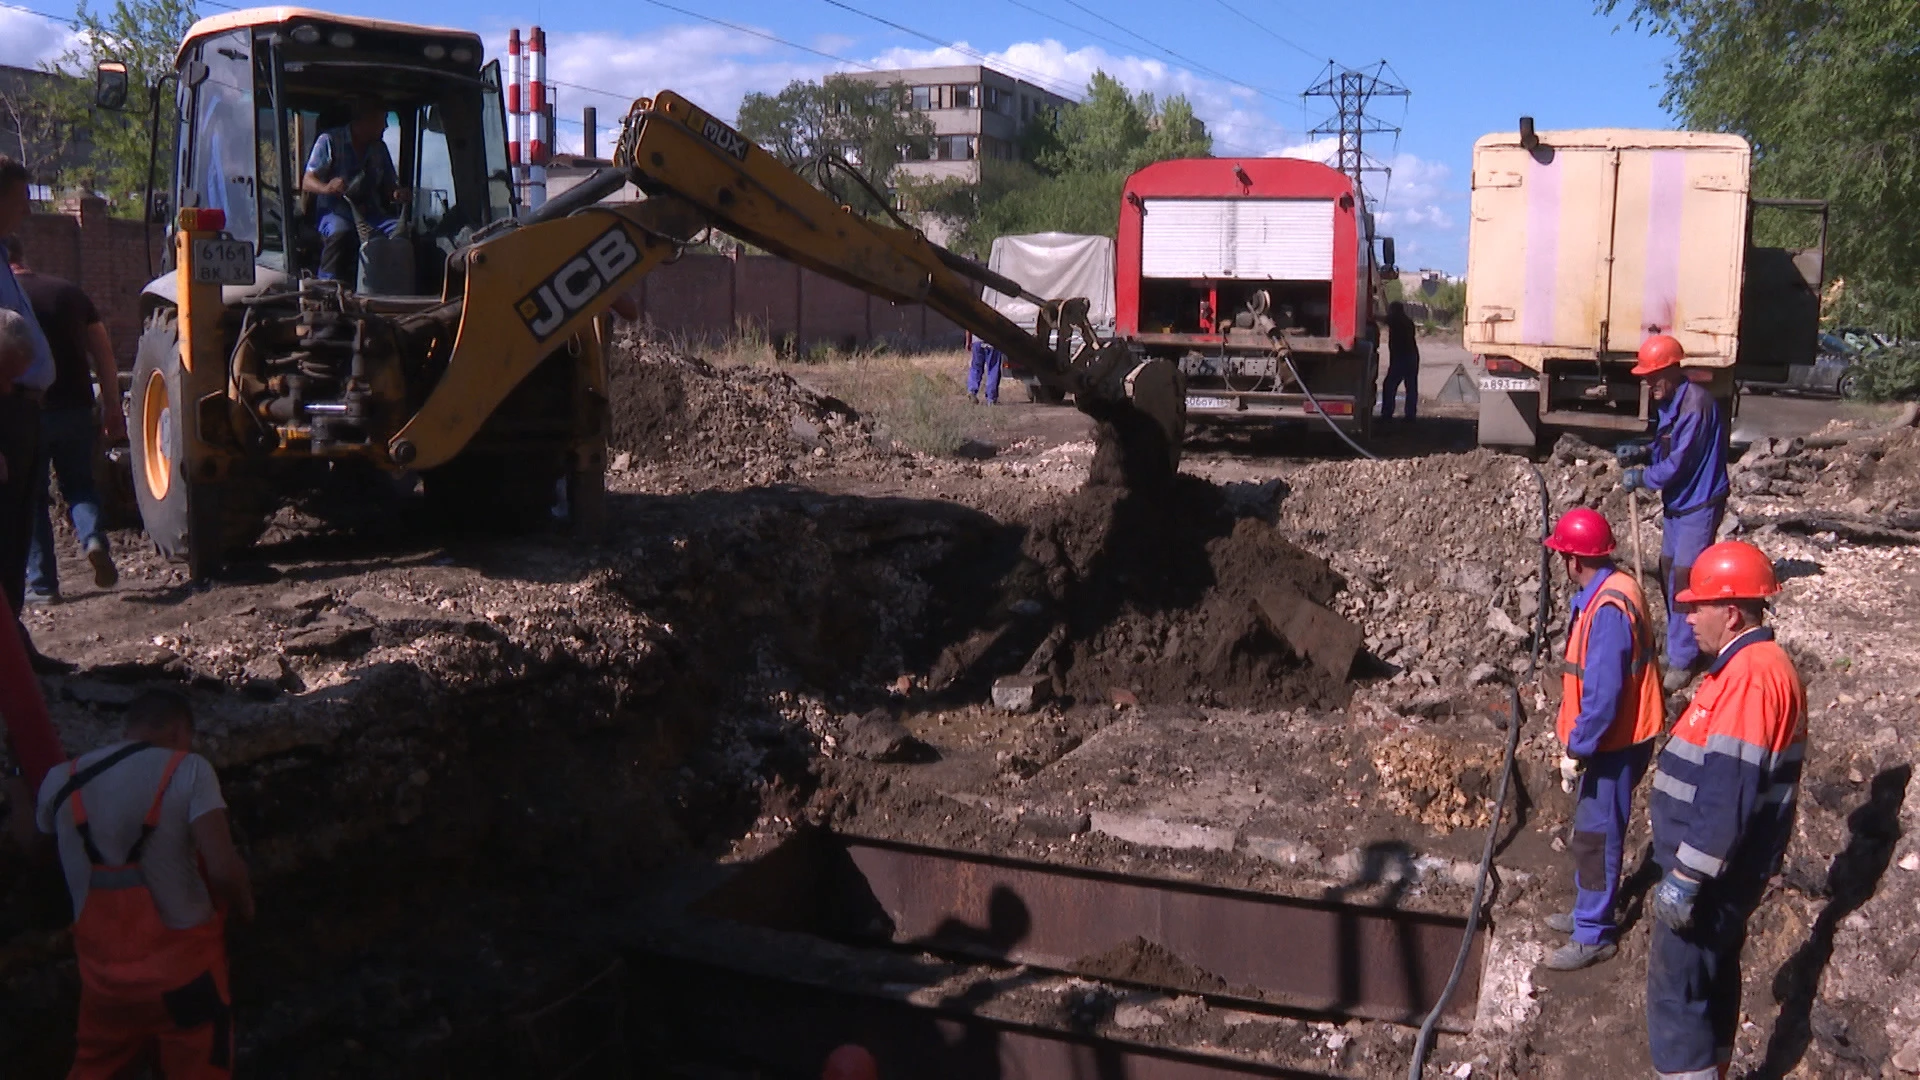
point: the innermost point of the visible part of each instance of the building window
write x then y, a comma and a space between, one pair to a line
965, 97
924, 97
998, 100
953, 148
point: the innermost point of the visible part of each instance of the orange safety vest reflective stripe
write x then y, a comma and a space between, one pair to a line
1642, 710
125, 951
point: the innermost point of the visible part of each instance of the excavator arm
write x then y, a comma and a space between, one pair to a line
515, 296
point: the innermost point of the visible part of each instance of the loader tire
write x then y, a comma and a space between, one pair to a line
193, 520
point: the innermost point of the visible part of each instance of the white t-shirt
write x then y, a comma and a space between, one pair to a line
117, 804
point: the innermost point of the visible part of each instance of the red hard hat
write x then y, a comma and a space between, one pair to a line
1581, 531
1657, 352
1729, 570
851, 1062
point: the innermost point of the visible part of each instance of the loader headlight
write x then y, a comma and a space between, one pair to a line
434, 51
462, 54
340, 39
307, 35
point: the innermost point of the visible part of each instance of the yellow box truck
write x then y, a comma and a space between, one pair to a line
1584, 243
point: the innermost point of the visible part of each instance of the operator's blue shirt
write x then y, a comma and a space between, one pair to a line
1604, 678
1689, 451
39, 374
333, 156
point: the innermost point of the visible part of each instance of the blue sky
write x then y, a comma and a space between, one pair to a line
1473, 67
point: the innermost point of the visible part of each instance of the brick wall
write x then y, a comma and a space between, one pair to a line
102, 255
709, 297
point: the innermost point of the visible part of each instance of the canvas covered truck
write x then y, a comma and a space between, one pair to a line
1230, 267
1585, 243
1051, 264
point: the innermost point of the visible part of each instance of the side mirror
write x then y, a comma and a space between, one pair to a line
1386, 251
160, 211
110, 85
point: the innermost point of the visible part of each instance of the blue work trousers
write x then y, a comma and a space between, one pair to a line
66, 450
1682, 538
1600, 819
983, 371
1693, 981
1400, 374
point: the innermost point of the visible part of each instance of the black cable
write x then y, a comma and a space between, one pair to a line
1517, 714
1357, 448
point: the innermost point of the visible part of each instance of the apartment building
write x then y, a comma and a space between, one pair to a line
977, 114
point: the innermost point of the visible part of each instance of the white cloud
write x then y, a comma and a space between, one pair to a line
29, 41
715, 67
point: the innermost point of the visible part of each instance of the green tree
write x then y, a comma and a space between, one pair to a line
864, 125
145, 35
1824, 90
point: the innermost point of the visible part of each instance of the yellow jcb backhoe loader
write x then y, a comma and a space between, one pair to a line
471, 348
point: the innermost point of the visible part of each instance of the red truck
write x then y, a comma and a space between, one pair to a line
1220, 258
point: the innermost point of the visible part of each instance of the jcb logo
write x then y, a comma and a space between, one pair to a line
573, 286
725, 138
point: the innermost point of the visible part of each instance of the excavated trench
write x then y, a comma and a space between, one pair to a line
478, 842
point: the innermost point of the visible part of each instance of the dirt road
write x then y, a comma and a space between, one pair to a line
478, 775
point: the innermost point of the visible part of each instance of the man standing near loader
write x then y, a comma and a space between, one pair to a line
1686, 462
1611, 707
1722, 809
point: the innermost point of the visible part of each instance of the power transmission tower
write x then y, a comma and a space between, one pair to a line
1351, 90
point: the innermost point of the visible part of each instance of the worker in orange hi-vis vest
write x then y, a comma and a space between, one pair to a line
1610, 711
1722, 810
150, 861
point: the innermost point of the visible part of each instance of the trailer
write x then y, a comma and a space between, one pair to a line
1052, 264
1585, 243
1257, 276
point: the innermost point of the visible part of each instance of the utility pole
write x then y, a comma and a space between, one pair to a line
1351, 90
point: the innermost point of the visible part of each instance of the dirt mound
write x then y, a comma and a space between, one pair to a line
680, 411
1155, 600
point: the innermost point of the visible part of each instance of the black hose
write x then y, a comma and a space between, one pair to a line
1517, 714
1304, 388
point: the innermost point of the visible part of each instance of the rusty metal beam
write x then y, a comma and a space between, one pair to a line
711, 1013
1312, 956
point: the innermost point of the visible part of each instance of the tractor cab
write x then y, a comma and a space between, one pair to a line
257, 89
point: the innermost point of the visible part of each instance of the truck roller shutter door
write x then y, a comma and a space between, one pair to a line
1238, 239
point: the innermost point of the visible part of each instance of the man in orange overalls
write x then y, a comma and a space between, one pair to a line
150, 862
1610, 709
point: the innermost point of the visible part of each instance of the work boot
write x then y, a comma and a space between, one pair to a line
105, 574
42, 598
1560, 922
1573, 956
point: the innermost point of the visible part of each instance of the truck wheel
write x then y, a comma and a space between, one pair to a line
194, 520
1848, 386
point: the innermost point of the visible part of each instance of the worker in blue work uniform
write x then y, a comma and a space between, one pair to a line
1611, 707
1722, 809
357, 189
1686, 462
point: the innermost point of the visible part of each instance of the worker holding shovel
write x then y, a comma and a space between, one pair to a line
1611, 708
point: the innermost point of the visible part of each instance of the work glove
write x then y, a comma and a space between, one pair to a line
1633, 452
1570, 769
1633, 479
1673, 900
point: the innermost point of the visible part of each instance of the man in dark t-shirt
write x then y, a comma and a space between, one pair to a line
1403, 361
68, 425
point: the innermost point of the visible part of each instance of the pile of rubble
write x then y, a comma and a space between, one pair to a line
681, 422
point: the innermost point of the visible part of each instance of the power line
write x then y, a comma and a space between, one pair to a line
1288, 42
759, 34
1042, 81
1195, 64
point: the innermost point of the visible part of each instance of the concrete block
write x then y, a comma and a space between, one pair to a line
1022, 693
1149, 831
